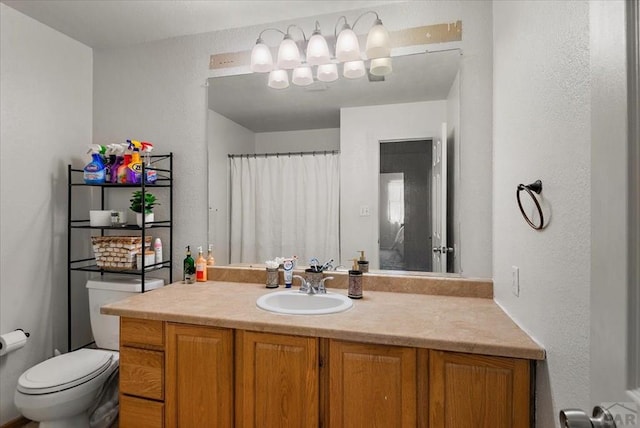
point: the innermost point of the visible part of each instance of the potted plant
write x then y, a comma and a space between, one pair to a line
137, 205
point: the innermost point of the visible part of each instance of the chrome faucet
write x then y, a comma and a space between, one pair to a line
311, 288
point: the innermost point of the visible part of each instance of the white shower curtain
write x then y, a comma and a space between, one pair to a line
282, 206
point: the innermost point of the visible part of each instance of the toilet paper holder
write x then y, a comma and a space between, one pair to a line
17, 329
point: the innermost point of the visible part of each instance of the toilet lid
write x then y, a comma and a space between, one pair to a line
64, 371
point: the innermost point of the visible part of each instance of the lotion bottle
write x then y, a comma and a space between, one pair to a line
201, 267
355, 281
157, 249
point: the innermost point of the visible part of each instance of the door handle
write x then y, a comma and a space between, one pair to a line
575, 418
442, 250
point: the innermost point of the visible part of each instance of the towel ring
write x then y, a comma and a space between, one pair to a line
530, 188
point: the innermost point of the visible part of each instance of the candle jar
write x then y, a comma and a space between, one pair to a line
272, 278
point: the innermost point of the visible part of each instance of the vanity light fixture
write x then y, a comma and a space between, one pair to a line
327, 72
278, 79
353, 69
317, 48
302, 76
347, 45
347, 51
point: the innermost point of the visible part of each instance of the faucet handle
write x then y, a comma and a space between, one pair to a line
304, 285
322, 288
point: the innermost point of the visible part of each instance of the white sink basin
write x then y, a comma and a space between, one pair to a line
293, 302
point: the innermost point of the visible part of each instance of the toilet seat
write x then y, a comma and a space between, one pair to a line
64, 371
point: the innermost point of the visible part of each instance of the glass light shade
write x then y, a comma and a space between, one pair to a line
261, 59
381, 66
288, 54
347, 46
317, 50
278, 79
302, 76
353, 69
327, 72
378, 43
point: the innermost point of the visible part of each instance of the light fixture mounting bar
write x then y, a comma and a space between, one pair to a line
415, 36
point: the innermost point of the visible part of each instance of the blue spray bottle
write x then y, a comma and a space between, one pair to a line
94, 171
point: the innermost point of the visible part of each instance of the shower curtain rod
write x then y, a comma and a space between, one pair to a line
313, 153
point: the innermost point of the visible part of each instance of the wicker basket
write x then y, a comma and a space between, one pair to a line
117, 252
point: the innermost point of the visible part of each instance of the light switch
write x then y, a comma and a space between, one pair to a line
365, 211
515, 280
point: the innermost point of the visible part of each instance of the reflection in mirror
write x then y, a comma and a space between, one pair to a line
385, 206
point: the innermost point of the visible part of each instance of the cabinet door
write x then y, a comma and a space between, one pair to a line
478, 391
199, 376
371, 385
276, 380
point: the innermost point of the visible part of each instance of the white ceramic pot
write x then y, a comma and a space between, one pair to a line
148, 218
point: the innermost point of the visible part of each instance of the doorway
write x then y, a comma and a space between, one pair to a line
404, 222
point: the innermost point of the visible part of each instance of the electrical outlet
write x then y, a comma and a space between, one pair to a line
365, 211
515, 280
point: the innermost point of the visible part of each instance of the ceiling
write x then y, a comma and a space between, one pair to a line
103, 24
248, 101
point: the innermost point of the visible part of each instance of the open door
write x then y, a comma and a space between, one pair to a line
439, 249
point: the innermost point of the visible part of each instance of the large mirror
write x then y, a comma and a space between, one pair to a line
372, 169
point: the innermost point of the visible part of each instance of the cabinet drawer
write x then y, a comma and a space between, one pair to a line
139, 332
142, 373
139, 413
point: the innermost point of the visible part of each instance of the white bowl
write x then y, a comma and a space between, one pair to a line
100, 218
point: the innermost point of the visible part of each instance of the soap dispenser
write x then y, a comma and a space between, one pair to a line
355, 281
363, 263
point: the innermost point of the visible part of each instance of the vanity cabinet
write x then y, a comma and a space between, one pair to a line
371, 385
182, 375
277, 380
468, 390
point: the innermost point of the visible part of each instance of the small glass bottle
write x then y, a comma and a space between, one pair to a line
189, 268
355, 281
211, 261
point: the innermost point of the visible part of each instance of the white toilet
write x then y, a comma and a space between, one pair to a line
59, 392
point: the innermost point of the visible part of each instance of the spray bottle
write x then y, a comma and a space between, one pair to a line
118, 150
121, 176
151, 175
134, 168
94, 171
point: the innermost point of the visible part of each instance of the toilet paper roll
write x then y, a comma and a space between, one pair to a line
12, 341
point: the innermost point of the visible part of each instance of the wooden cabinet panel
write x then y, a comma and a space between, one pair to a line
142, 373
199, 386
139, 413
142, 333
276, 380
371, 385
478, 391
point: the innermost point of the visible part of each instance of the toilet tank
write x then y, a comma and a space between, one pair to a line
106, 328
